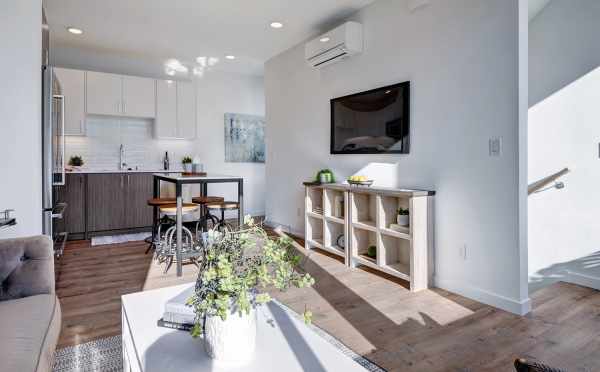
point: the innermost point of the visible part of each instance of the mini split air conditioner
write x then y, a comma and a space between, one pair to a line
335, 45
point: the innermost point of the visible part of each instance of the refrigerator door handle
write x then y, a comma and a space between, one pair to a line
62, 135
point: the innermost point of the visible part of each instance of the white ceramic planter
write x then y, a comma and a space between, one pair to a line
231, 341
402, 220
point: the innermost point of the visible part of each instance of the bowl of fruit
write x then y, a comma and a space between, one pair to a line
359, 181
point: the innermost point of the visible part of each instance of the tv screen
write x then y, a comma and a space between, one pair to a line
372, 122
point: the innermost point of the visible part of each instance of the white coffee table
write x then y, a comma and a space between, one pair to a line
283, 343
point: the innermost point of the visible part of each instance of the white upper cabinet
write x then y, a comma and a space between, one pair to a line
175, 110
104, 93
110, 94
138, 97
186, 110
165, 125
72, 83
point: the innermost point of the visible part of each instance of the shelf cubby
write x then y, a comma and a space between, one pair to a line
333, 231
364, 210
361, 241
394, 256
314, 232
334, 204
314, 200
388, 211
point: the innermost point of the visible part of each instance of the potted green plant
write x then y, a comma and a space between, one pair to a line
403, 215
76, 161
187, 164
236, 271
325, 176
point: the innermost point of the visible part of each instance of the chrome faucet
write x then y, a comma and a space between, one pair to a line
122, 163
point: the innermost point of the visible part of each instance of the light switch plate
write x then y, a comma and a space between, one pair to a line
495, 145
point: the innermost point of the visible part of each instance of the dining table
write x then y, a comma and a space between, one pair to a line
180, 179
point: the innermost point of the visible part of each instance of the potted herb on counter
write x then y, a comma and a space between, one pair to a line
187, 164
76, 161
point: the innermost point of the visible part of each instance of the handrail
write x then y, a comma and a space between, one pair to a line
538, 185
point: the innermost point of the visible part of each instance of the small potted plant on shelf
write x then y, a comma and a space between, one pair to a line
187, 164
76, 161
402, 218
236, 271
325, 176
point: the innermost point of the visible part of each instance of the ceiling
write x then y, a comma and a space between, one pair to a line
158, 30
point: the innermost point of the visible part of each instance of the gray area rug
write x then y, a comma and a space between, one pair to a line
105, 354
116, 239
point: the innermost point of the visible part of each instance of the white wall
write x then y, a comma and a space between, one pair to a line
462, 60
20, 115
564, 61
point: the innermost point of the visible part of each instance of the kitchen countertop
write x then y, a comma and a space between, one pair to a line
84, 171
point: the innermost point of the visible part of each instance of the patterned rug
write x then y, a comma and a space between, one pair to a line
105, 354
123, 238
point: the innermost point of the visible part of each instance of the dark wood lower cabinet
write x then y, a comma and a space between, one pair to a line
106, 201
73, 193
138, 191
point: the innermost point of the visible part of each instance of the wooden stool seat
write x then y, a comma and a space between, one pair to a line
224, 205
157, 202
207, 199
171, 209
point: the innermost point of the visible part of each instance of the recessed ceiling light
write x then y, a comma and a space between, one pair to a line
324, 39
230, 57
276, 24
74, 30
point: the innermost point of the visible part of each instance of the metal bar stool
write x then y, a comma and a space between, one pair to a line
166, 249
222, 207
155, 203
205, 215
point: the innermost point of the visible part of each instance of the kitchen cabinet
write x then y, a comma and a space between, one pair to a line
186, 110
117, 95
73, 194
118, 201
139, 97
72, 83
175, 110
165, 125
139, 189
105, 201
103, 93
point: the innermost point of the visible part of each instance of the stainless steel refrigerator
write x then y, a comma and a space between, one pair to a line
53, 141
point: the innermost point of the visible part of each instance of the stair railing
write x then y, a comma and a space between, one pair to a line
543, 184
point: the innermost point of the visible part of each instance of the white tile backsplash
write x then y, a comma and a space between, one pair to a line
104, 136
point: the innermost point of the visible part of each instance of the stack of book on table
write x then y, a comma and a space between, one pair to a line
177, 314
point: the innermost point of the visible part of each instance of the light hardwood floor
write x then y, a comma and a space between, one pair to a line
432, 330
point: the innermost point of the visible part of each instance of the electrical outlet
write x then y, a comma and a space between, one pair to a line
495, 145
299, 212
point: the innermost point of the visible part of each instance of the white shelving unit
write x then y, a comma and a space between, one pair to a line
364, 221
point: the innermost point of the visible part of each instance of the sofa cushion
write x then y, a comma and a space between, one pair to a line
29, 330
26, 267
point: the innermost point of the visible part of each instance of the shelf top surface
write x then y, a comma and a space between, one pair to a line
375, 189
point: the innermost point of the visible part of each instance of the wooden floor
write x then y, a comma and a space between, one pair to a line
432, 330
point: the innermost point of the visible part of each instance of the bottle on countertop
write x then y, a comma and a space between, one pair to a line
166, 161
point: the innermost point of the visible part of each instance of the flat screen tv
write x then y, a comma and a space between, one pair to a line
372, 122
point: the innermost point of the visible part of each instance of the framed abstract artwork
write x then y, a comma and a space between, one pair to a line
244, 138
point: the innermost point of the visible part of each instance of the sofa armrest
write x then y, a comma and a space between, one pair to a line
26, 267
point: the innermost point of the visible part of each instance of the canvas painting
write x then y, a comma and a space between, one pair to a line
244, 138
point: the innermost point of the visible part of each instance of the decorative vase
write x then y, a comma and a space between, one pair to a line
231, 341
402, 220
187, 167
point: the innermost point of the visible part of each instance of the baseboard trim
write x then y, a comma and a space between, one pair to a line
483, 296
582, 280
283, 227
